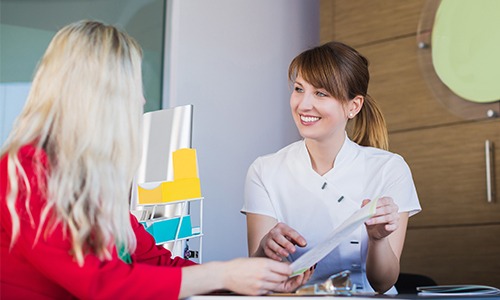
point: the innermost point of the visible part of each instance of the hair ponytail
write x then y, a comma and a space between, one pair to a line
369, 128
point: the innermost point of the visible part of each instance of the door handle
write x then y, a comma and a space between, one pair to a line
490, 182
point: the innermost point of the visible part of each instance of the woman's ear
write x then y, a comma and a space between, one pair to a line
354, 106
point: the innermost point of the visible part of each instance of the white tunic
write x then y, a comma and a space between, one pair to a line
284, 186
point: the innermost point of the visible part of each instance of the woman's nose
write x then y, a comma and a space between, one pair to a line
306, 102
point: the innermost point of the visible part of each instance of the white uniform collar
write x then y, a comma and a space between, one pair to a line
347, 153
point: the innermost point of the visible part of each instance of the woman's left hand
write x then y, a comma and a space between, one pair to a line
295, 282
385, 221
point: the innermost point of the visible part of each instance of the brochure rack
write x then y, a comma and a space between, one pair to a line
172, 211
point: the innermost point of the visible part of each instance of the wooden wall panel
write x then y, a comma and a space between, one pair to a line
326, 19
408, 98
365, 21
456, 238
398, 86
449, 170
455, 255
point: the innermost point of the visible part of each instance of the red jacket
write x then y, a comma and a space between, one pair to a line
46, 270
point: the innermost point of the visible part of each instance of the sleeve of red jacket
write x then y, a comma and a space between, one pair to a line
96, 279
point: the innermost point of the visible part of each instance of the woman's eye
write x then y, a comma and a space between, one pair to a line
321, 94
298, 89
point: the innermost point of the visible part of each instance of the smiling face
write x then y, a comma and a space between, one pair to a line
318, 115
330, 87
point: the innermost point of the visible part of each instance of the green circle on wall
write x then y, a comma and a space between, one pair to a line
466, 48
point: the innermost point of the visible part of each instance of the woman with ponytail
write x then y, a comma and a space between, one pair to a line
66, 171
299, 194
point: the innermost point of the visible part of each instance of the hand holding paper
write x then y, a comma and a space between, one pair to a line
314, 255
281, 241
385, 221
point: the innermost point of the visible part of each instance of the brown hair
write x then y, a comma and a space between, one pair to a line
343, 72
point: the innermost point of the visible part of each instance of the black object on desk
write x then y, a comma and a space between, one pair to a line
407, 283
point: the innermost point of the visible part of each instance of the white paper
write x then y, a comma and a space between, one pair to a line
457, 290
334, 239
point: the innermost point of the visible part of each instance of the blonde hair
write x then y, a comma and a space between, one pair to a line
343, 72
84, 110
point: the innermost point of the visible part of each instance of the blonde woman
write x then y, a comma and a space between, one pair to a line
297, 196
65, 176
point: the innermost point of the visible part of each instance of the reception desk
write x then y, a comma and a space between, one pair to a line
353, 297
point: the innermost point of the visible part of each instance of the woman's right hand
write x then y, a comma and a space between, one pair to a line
255, 276
280, 242
247, 276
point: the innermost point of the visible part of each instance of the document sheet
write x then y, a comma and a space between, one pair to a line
334, 239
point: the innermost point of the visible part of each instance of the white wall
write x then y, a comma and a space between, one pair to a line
229, 58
